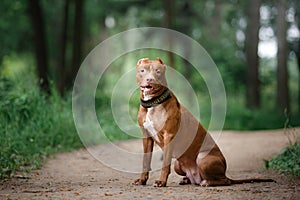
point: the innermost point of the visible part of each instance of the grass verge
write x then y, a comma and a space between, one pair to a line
32, 127
288, 161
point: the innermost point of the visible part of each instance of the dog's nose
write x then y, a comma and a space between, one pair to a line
149, 79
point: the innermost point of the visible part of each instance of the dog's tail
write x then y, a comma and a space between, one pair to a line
251, 180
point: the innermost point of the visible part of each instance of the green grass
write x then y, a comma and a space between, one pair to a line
32, 127
288, 161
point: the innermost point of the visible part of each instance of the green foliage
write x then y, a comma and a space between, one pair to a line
239, 117
32, 127
14, 27
288, 161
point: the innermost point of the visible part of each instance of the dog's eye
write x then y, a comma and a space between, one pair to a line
158, 71
142, 71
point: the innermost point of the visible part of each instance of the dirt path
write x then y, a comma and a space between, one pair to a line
78, 175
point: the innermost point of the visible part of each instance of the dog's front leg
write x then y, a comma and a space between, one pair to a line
167, 158
148, 149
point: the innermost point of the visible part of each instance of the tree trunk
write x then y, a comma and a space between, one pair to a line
298, 59
216, 19
169, 6
297, 50
252, 39
282, 72
61, 47
37, 21
77, 42
185, 27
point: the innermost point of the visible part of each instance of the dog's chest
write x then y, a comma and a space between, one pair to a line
154, 122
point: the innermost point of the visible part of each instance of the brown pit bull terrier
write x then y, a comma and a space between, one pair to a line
170, 125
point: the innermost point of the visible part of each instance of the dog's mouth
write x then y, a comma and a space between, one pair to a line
146, 88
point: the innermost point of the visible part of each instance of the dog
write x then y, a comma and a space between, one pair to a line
177, 132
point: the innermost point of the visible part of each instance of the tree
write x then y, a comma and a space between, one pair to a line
185, 27
216, 18
282, 56
252, 39
296, 45
77, 41
298, 61
37, 20
61, 46
65, 69
68, 71
169, 16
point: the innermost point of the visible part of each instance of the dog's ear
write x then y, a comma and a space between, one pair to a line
142, 60
159, 60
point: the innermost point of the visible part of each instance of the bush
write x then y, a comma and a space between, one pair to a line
288, 161
239, 117
32, 127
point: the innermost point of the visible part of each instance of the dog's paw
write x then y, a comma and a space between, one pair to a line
204, 183
140, 182
184, 181
159, 183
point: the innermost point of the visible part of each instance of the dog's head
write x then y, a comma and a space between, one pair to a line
150, 76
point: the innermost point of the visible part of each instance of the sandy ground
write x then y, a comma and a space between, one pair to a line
79, 175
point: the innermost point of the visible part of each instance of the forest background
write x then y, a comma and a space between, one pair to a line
255, 45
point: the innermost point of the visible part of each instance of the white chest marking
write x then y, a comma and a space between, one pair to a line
146, 97
149, 126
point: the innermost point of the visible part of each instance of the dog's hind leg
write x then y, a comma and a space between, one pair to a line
191, 173
185, 180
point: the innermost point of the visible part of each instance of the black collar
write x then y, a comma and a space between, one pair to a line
156, 100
